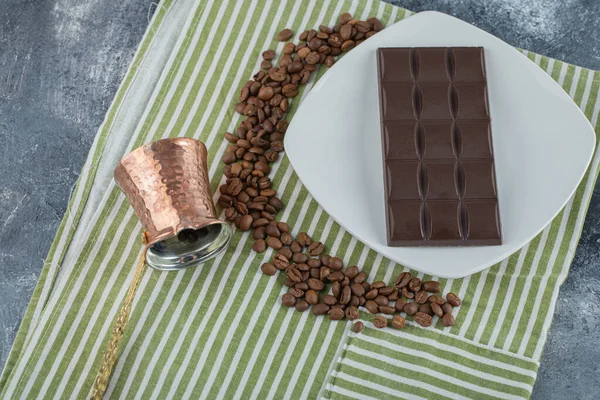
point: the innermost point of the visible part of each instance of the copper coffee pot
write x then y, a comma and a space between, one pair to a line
167, 184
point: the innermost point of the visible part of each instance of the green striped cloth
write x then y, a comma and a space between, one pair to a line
219, 331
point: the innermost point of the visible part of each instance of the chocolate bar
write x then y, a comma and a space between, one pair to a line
439, 177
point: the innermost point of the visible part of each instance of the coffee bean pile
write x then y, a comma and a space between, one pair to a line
251, 203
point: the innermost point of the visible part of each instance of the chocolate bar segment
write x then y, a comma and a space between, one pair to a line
439, 178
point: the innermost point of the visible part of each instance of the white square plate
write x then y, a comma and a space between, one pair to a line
542, 142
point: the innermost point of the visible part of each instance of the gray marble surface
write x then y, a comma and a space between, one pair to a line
61, 62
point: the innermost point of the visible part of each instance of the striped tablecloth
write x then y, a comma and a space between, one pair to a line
219, 331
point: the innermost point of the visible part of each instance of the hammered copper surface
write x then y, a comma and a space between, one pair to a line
167, 184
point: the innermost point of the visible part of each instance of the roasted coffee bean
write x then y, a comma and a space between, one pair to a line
281, 262
371, 294
426, 309
301, 286
268, 269
381, 300
345, 18
266, 64
351, 272
336, 289
437, 310
266, 93
299, 258
431, 286
387, 309
289, 48
294, 274
386, 290
435, 299
316, 248
283, 227
362, 26
259, 246
324, 273
315, 273
285, 35
245, 223
447, 308
362, 301
360, 278
286, 239
302, 53
376, 25
335, 314
346, 32
377, 285
325, 259
288, 300
314, 262
231, 213
398, 322
354, 301
372, 307
316, 284
348, 45
394, 295
311, 297
296, 292
303, 267
448, 320
453, 299
346, 295
302, 305
294, 68
345, 281
414, 285
336, 276
272, 231
411, 308
303, 35
304, 240
340, 306
329, 300
322, 35
423, 319
421, 297
380, 322
260, 221
336, 263
286, 252
320, 309
268, 54
324, 51
276, 203
352, 313
358, 327
295, 247
288, 282
357, 289
399, 306
289, 90
403, 280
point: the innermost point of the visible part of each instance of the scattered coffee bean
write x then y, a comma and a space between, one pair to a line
346, 295
448, 320
286, 252
299, 258
372, 307
435, 299
259, 246
357, 289
431, 286
311, 297
414, 285
268, 269
316, 248
352, 313
302, 305
423, 319
395, 295
377, 285
360, 278
316, 284
426, 309
407, 294
387, 309
335, 314
320, 309
403, 280
381, 300
351, 272
358, 327
453, 299
336, 276
297, 292
398, 322
386, 290
303, 239
380, 322
336, 263
336, 289
288, 300
437, 310
329, 300
411, 308
295, 247
447, 308
421, 297
399, 306
285, 35
371, 294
